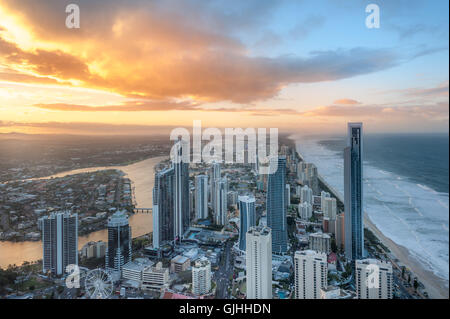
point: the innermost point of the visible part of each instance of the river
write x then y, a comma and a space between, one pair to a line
140, 173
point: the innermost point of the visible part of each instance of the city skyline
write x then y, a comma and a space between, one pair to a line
129, 132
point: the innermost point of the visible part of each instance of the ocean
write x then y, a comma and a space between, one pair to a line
406, 188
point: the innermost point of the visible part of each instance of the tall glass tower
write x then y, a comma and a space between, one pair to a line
276, 206
163, 207
119, 241
181, 170
353, 193
247, 216
59, 241
201, 196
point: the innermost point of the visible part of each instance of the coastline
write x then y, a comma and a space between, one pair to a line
436, 287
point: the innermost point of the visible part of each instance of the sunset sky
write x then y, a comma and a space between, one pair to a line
310, 66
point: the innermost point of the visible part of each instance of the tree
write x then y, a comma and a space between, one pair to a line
333, 246
415, 284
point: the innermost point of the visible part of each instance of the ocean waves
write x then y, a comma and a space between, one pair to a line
411, 214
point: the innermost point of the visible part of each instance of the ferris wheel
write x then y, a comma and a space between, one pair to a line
98, 284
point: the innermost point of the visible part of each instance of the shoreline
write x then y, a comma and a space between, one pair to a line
435, 286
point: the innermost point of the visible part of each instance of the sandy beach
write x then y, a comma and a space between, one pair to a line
436, 287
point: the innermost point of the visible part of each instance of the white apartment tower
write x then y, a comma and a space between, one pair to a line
259, 263
329, 208
305, 211
323, 196
311, 270
373, 279
306, 195
320, 242
201, 277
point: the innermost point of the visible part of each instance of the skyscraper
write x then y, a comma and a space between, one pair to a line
201, 196
288, 195
247, 216
305, 211
311, 270
276, 206
163, 207
329, 208
323, 196
215, 174
220, 202
353, 193
118, 252
181, 167
306, 195
259, 263
59, 242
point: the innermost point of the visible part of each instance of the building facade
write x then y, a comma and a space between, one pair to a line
59, 242
320, 242
276, 206
118, 252
247, 217
201, 277
163, 207
311, 271
180, 164
373, 279
305, 210
353, 193
259, 263
201, 196
306, 195
220, 201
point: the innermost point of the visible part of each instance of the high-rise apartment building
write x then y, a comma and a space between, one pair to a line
247, 217
311, 271
59, 242
259, 263
329, 207
163, 207
276, 206
305, 210
220, 202
306, 195
118, 252
373, 279
320, 242
353, 193
201, 196
201, 277
180, 163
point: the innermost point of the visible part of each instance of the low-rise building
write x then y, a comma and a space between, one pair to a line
179, 263
155, 277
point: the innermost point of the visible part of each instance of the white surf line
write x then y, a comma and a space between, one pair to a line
410, 198
412, 231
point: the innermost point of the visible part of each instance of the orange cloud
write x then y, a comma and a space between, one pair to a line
155, 51
346, 102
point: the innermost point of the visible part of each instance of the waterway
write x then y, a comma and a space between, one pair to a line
142, 176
